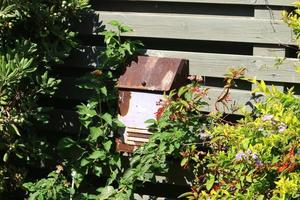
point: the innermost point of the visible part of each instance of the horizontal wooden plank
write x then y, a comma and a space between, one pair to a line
216, 65
211, 64
238, 99
267, 13
196, 27
243, 2
261, 50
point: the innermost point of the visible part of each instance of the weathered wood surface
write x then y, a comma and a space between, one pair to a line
239, 101
264, 50
242, 2
195, 27
216, 65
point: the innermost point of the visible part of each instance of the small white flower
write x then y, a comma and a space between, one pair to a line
282, 127
267, 118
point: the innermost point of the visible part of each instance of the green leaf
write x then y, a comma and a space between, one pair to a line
98, 171
15, 129
107, 145
78, 177
113, 176
127, 47
130, 173
98, 155
261, 197
245, 143
125, 29
65, 143
116, 160
184, 103
187, 194
5, 157
210, 182
184, 162
177, 145
103, 90
181, 91
114, 23
150, 121
84, 162
95, 133
119, 123
108, 118
106, 192
249, 178
136, 159
88, 109
19, 156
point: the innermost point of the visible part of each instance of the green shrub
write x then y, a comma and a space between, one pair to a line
255, 158
93, 153
258, 157
33, 36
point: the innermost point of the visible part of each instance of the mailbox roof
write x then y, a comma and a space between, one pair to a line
153, 73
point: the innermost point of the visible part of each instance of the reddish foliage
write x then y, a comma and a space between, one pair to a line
283, 167
216, 187
159, 113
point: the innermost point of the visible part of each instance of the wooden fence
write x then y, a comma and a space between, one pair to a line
213, 35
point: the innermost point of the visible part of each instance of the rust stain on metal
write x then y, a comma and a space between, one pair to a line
152, 73
124, 102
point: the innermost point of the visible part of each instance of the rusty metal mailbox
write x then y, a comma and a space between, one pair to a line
140, 88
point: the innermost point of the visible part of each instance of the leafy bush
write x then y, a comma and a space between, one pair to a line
55, 186
93, 154
257, 158
33, 35
45, 23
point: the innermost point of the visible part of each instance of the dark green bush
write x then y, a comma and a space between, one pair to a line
33, 36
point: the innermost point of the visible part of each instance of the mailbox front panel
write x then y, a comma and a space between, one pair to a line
137, 107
